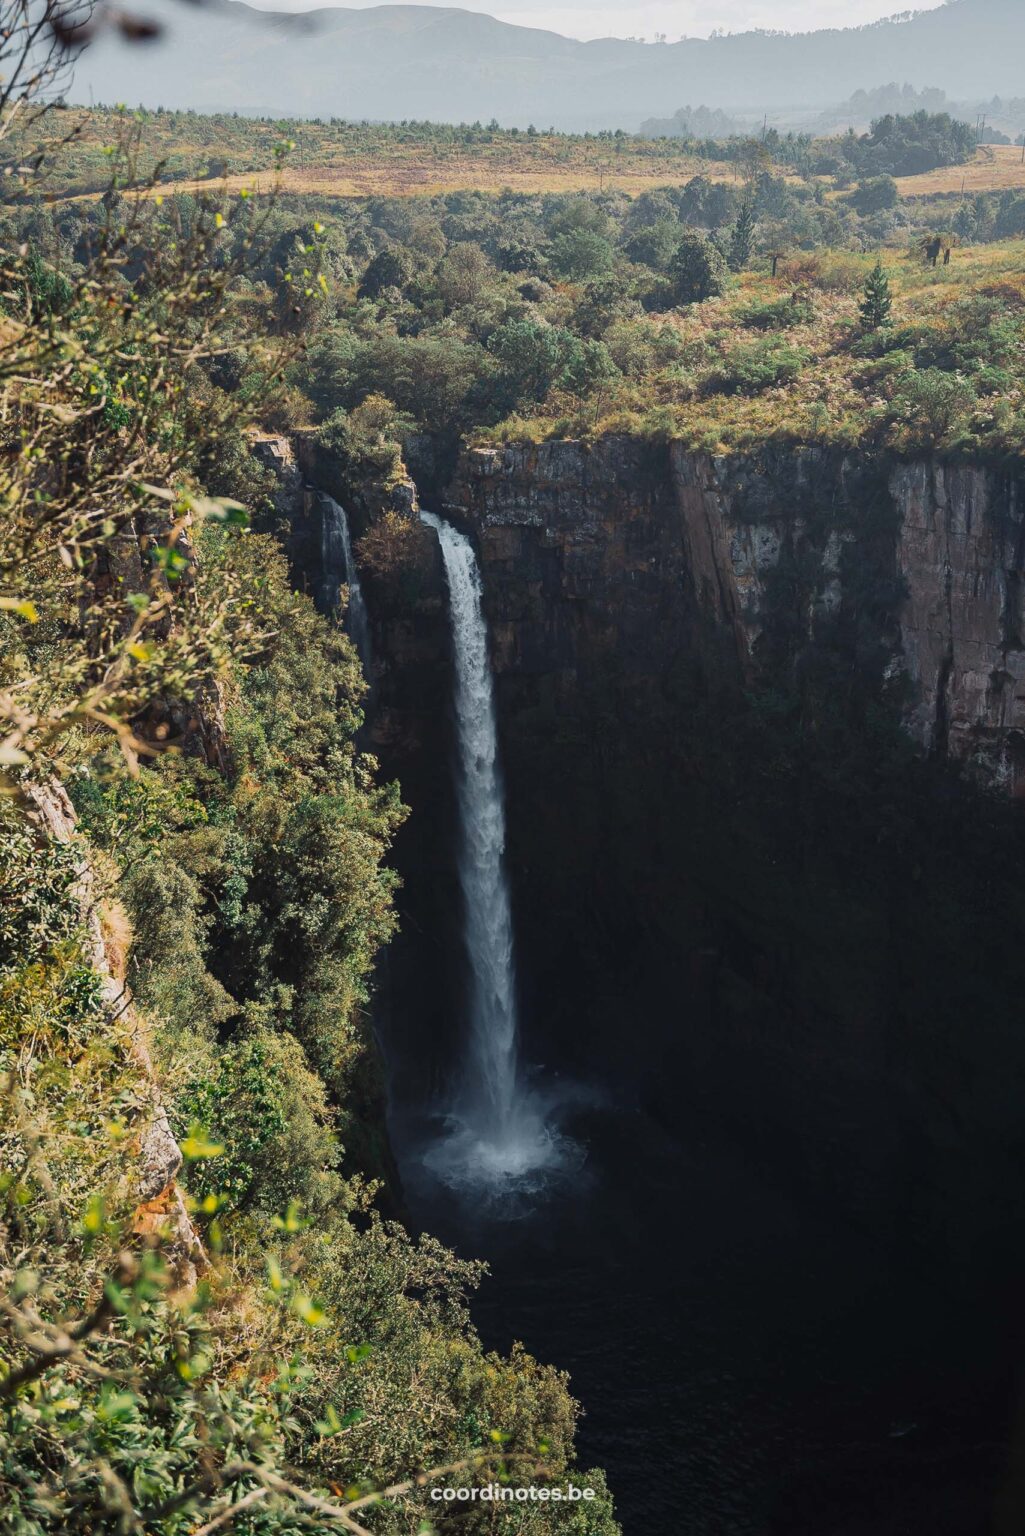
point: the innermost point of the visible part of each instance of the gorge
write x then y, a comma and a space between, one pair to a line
512, 671
761, 727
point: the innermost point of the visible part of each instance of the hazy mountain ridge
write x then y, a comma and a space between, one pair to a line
451, 65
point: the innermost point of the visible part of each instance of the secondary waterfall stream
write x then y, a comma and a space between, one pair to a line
496, 1129
338, 565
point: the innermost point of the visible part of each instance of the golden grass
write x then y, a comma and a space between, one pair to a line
417, 176
422, 171
996, 168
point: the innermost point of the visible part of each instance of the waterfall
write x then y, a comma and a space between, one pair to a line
488, 918
496, 1130
338, 565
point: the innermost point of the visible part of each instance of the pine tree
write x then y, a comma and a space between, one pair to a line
877, 303
742, 238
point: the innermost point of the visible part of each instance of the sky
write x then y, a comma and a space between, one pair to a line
645, 18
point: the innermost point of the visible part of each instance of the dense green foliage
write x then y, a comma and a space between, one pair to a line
240, 882
257, 897
901, 146
528, 314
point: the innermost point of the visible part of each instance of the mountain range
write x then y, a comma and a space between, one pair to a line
393, 62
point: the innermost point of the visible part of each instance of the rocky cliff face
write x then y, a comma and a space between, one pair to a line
961, 552
664, 625
642, 554
733, 920
633, 550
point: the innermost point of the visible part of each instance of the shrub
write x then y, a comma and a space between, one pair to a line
534, 356
747, 370
580, 253
270, 1113
655, 245
37, 877
876, 194
778, 314
932, 405
829, 271
388, 269
464, 274
363, 438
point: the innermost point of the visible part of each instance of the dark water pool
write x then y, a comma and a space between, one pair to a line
748, 1362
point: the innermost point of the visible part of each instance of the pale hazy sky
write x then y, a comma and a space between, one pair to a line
643, 18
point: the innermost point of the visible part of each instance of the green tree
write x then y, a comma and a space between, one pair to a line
580, 253
464, 274
877, 301
531, 355
877, 194
654, 245
698, 270
588, 368
742, 238
966, 221
389, 269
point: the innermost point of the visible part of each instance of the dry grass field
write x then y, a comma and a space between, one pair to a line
419, 170
420, 174
192, 153
185, 152
996, 168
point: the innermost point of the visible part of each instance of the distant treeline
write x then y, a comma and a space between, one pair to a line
895, 145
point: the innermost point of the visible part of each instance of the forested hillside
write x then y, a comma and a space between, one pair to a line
209, 1318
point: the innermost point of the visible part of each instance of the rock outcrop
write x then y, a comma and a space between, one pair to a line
961, 553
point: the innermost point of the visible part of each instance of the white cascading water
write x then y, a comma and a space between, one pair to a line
497, 1133
338, 565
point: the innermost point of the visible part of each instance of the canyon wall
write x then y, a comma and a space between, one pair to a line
646, 553
725, 872
634, 549
745, 882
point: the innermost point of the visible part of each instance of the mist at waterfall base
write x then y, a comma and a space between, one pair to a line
500, 1143
753, 1357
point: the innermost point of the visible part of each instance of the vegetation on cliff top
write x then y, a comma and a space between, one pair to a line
794, 360
524, 315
